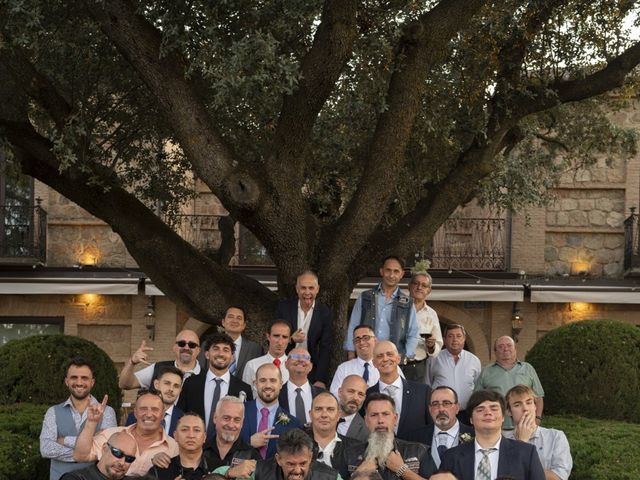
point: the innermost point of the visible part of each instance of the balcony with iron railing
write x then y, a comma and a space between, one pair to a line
460, 244
632, 244
23, 235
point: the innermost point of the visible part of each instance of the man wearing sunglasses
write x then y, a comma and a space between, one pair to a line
118, 453
297, 393
185, 349
147, 432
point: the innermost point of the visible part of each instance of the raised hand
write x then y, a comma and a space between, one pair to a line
95, 411
260, 439
140, 355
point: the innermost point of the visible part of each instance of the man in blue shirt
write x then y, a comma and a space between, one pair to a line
390, 312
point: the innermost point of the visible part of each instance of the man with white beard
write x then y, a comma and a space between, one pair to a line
392, 457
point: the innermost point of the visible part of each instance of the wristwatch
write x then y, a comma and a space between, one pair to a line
401, 470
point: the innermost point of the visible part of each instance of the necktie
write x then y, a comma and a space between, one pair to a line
263, 425
484, 467
233, 367
214, 402
300, 415
391, 391
442, 443
276, 362
365, 375
164, 423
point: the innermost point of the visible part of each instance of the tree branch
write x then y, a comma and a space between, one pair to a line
423, 47
145, 235
214, 161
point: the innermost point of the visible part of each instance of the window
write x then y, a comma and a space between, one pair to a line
12, 328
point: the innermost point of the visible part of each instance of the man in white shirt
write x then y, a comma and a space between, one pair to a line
185, 349
455, 367
351, 396
552, 445
297, 393
364, 341
491, 455
278, 337
430, 342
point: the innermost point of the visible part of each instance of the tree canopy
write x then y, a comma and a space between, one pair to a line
336, 131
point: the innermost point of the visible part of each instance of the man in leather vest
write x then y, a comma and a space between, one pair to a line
392, 457
63, 422
388, 311
293, 461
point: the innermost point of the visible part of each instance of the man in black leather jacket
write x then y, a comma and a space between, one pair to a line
117, 455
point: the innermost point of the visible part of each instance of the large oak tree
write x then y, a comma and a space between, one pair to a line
336, 131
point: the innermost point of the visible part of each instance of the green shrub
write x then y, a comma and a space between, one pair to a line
19, 443
601, 450
591, 369
33, 370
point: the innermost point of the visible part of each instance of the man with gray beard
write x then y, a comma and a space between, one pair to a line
392, 457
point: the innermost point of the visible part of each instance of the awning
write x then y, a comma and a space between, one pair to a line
68, 286
463, 292
595, 294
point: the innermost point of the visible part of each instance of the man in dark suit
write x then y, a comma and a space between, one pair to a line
351, 395
264, 419
411, 398
446, 432
201, 393
297, 393
169, 384
491, 455
234, 323
311, 323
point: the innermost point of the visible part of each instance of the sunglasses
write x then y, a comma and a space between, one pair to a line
299, 356
363, 338
116, 452
184, 343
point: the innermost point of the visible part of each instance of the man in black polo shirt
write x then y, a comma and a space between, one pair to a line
190, 463
117, 455
226, 447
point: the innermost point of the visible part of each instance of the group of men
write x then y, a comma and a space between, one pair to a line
407, 403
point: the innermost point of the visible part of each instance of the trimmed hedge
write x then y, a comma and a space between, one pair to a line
590, 368
19, 443
33, 370
601, 449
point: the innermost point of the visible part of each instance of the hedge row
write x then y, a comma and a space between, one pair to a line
19, 443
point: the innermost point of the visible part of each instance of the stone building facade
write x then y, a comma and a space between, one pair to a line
564, 262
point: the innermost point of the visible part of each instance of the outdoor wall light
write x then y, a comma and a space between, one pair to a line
516, 323
150, 317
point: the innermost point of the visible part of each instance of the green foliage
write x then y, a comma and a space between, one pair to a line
33, 370
590, 368
601, 450
20, 426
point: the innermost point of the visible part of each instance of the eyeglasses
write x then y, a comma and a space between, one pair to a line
444, 403
418, 284
363, 338
184, 343
116, 452
299, 356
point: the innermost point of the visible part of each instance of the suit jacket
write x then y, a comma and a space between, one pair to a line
283, 398
517, 459
318, 338
192, 395
248, 351
415, 406
358, 429
175, 416
347, 455
425, 435
250, 425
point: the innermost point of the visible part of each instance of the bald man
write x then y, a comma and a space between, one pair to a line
411, 398
185, 349
507, 372
118, 453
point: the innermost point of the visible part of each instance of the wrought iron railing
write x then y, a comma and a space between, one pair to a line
471, 244
631, 241
23, 234
201, 231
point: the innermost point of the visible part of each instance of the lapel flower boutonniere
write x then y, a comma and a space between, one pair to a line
465, 438
282, 419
